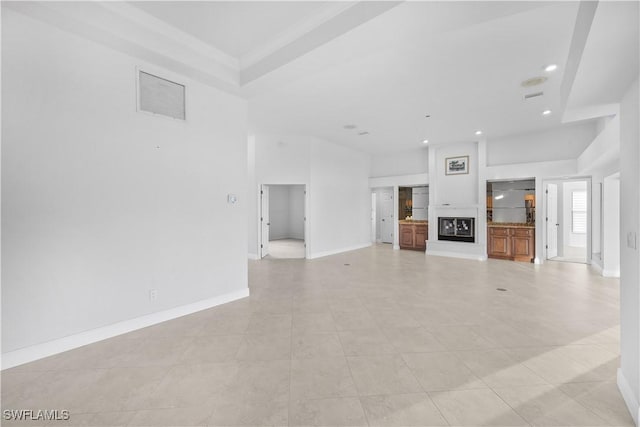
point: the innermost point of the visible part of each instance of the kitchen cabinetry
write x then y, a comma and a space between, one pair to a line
514, 242
413, 235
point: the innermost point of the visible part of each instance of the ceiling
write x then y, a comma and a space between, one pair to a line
312, 68
460, 63
236, 28
609, 62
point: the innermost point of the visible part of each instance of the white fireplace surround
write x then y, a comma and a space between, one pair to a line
466, 250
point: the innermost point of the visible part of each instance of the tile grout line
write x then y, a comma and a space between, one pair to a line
346, 359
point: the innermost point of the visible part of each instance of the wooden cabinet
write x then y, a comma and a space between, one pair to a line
413, 235
499, 243
513, 243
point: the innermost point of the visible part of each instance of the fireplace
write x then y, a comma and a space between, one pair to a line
456, 229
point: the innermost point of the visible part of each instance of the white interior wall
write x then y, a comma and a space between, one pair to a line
597, 227
400, 163
296, 212
455, 189
611, 224
278, 212
101, 203
629, 374
286, 212
602, 156
253, 207
338, 198
600, 159
563, 143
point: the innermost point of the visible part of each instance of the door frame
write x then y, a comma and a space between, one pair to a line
307, 237
548, 217
559, 181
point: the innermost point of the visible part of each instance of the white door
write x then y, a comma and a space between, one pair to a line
264, 221
552, 220
386, 216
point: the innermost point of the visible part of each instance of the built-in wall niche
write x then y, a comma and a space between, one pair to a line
511, 202
413, 203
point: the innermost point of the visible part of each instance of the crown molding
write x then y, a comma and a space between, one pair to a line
138, 36
155, 25
293, 33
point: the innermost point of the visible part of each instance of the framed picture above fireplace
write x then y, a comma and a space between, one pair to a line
456, 165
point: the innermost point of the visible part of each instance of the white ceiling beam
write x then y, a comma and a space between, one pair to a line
339, 24
590, 112
584, 20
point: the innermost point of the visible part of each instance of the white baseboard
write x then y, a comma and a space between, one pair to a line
457, 255
611, 273
254, 256
39, 351
338, 251
629, 397
597, 267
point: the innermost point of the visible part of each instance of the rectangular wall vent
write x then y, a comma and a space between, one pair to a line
533, 95
161, 96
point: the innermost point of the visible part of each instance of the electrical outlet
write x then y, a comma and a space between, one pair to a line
153, 294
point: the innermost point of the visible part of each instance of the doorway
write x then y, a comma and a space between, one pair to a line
567, 220
382, 222
282, 221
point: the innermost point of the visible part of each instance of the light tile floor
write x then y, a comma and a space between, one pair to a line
371, 337
286, 248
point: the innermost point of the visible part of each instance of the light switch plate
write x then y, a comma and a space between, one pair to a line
632, 240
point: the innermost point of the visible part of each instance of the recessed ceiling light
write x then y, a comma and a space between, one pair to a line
499, 197
478, 132
546, 112
350, 126
550, 67
426, 141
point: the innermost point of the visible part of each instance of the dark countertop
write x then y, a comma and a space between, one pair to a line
511, 224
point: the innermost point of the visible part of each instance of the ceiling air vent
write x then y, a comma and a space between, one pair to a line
533, 95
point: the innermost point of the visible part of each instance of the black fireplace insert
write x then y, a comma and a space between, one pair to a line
456, 229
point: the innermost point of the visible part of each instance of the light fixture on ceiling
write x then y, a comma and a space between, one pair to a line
551, 67
349, 126
478, 132
501, 196
426, 141
546, 112
533, 81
